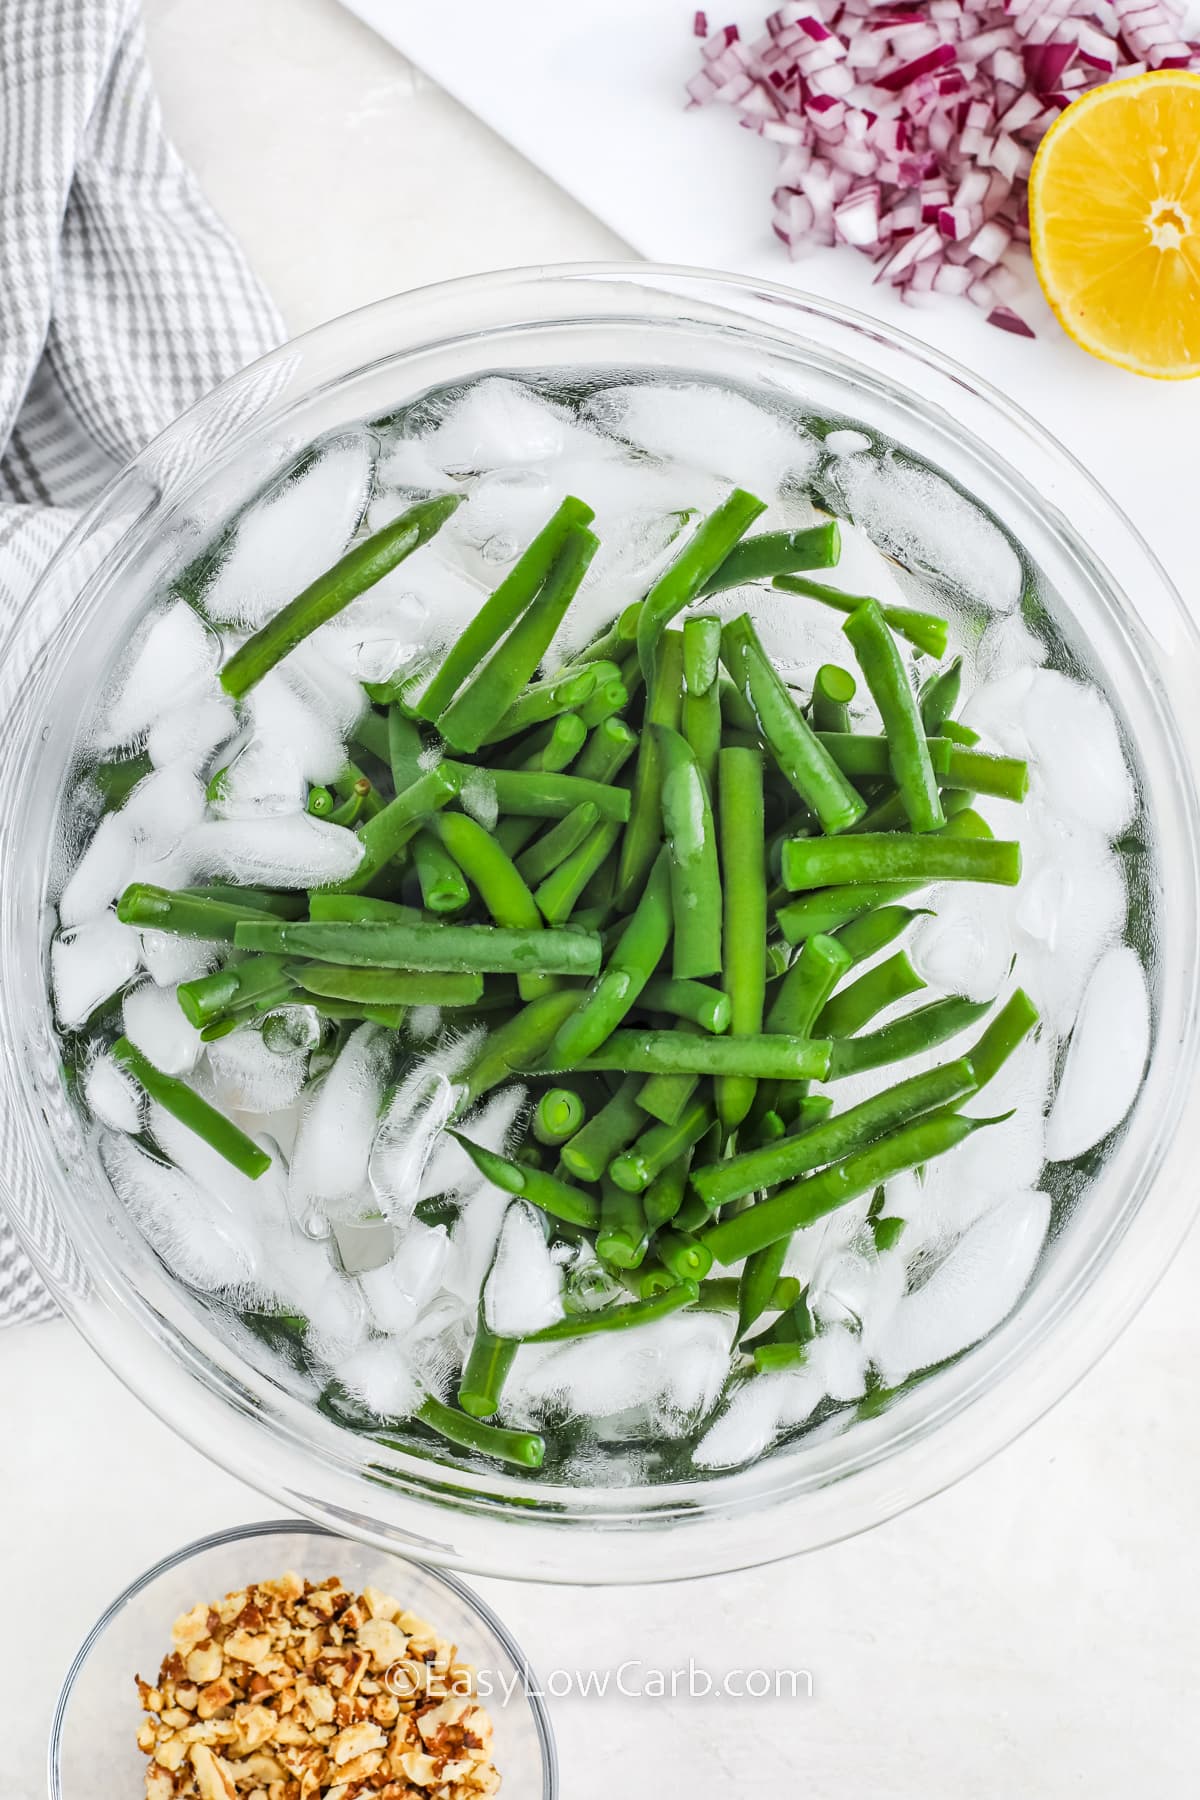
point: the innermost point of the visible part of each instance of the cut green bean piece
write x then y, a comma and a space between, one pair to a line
404, 748
777, 553
527, 1449
185, 915
556, 844
888, 856
658, 1146
683, 1255
282, 906
494, 876
384, 836
611, 697
767, 1057
360, 568
193, 1111
443, 885
387, 987
916, 1032
556, 1197
758, 1281
1005, 777
864, 757
392, 1017
743, 961
547, 700
664, 1196
1013, 1023
705, 1006
874, 931
502, 608
701, 724
488, 694
665, 1097
631, 963
643, 834
481, 949
624, 1233
833, 1139
939, 696
620, 636
696, 902
700, 557
797, 750
908, 752
806, 1201
701, 654
833, 690
485, 1371
807, 985
609, 747
557, 894
719, 1293
606, 1133
854, 1006
558, 1115
557, 746
545, 795
619, 1318
524, 1037
833, 907
205, 999
925, 631
357, 909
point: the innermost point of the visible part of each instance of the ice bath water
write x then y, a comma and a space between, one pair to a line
353, 1271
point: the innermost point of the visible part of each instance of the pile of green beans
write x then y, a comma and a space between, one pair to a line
658, 935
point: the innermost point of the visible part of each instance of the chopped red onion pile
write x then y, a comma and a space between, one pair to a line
908, 130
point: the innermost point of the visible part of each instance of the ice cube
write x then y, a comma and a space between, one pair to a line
861, 568
838, 1355
1105, 1057
292, 535
101, 872
161, 810
473, 1238
154, 1021
405, 471
1006, 648
299, 852
925, 523
88, 964
449, 1170
111, 1094
1067, 731
260, 1204
171, 661
378, 1375
965, 945
407, 1138
261, 782
846, 443
188, 735
299, 734
710, 428
325, 687
397, 1292
333, 1304
970, 1292
171, 959
667, 1374
333, 1145
524, 1288
495, 423
758, 1413
478, 798
250, 1077
201, 1240
438, 1343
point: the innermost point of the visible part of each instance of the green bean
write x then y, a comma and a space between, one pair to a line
606, 1133
957, 800
117, 780
503, 607
719, 1293
404, 749
682, 1255
618, 638
611, 697
691, 1000
810, 1199
908, 753
556, 844
489, 693
658, 1146
558, 892
664, 1196
854, 1006
874, 931
384, 836
485, 1370
960, 734
643, 834
185, 915
558, 1115
1007, 777
443, 886
205, 999
777, 553
925, 631
494, 876
543, 795
807, 985
525, 1448
361, 567
916, 1032
358, 909
544, 701
193, 1111
758, 1281
939, 696
392, 1017
624, 1232
701, 725
609, 747
834, 907
774, 1057
574, 1206
743, 963
833, 690
371, 734
701, 653
797, 750
528, 1034
701, 557
1015, 1020
283, 906
888, 856
665, 1097
348, 812
692, 858
478, 949
556, 747
618, 1318
630, 965
864, 757
387, 987
800, 1111
319, 805
833, 1139
887, 1233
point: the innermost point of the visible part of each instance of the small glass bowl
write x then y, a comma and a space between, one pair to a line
93, 1747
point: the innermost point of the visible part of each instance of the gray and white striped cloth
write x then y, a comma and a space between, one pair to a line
123, 300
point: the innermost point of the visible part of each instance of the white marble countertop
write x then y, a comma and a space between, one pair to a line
1032, 1632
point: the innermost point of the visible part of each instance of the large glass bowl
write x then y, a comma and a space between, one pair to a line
1108, 594
93, 1748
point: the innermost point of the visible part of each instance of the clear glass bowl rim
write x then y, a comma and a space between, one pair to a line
909, 1453
237, 1534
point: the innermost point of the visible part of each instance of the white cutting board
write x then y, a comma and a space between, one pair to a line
592, 92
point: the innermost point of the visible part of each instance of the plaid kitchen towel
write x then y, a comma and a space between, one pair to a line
122, 301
